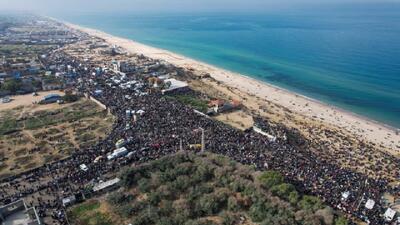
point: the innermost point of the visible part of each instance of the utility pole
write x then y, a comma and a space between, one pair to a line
180, 145
202, 140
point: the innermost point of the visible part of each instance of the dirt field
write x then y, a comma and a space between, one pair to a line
24, 100
32, 134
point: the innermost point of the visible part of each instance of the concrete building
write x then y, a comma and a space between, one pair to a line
17, 213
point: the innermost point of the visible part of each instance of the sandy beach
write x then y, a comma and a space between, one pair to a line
383, 136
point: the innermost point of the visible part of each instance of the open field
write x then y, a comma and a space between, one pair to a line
32, 134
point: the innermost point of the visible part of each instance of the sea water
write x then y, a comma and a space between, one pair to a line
348, 58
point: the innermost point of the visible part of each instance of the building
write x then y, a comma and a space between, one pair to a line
175, 86
220, 106
18, 213
48, 86
51, 98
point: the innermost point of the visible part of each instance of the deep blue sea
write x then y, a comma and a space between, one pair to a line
349, 58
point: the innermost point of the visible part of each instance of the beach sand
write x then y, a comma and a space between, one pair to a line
383, 136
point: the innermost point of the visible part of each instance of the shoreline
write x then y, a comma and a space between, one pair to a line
361, 126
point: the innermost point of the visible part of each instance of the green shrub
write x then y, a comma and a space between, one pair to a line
293, 197
269, 179
341, 221
282, 190
310, 203
233, 204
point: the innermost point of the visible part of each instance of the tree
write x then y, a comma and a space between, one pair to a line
233, 204
310, 203
12, 85
341, 221
282, 190
293, 197
70, 98
270, 178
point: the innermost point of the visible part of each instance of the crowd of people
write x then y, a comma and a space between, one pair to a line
166, 126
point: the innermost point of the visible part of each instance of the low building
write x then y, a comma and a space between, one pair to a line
175, 86
18, 213
220, 106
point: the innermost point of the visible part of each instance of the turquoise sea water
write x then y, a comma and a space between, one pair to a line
347, 58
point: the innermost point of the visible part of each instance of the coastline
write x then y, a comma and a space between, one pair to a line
363, 127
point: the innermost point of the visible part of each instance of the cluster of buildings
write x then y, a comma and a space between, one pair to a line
17, 213
24, 47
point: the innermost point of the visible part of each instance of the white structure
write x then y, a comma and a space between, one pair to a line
345, 195
270, 137
129, 155
120, 143
117, 153
97, 159
83, 167
175, 85
370, 204
389, 214
17, 213
69, 200
105, 185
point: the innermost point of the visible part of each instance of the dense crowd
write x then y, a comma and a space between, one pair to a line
161, 129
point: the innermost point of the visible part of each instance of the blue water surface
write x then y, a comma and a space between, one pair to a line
347, 58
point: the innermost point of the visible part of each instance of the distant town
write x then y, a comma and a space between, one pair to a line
83, 122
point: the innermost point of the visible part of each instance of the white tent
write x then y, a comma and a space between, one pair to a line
370, 204
345, 195
389, 214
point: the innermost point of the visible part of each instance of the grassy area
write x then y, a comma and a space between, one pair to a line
193, 101
8, 125
186, 189
88, 214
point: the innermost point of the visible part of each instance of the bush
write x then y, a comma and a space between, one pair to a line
233, 204
126, 210
165, 221
258, 211
229, 218
269, 179
282, 190
70, 98
206, 205
12, 85
143, 219
181, 183
293, 197
117, 198
154, 198
341, 221
203, 173
310, 203
144, 185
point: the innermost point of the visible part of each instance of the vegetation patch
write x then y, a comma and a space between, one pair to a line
32, 135
185, 189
